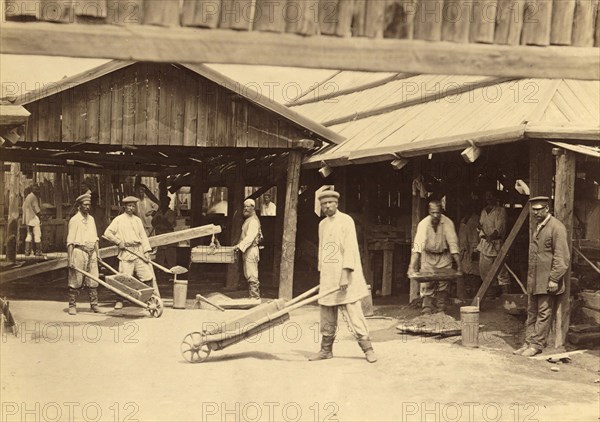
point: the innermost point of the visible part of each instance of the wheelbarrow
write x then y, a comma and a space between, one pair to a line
130, 288
196, 346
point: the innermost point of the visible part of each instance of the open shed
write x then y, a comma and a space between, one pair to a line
183, 125
404, 137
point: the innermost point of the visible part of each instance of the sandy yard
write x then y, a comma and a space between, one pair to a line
126, 366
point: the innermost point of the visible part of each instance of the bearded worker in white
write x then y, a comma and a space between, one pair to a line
340, 266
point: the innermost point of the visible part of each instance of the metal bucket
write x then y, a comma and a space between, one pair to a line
179, 294
469, 324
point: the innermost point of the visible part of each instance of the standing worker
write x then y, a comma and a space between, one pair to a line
435, 246
549, 259
250, 237
127, 231
268, 208
340, 266
164, 222
82, 251
31, 219
146, 209
492, 230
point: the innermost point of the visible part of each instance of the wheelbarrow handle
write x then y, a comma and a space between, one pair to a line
105, 265
143, 258
111, 288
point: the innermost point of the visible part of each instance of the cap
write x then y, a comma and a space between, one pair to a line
539, 202
84, 197
129, 199
328, 194
250, 201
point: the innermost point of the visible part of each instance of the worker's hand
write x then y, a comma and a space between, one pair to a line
147, 256
552, 286
121, 245
71, 265
344, 279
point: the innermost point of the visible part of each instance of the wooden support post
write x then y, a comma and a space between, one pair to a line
107, 198
286, 275
198, 189
12, 227
235, 204
58, 194
365, 198
3, 231
540, 172
277, 241
417, 212
2, 190
388, 269
341, 186
564, 195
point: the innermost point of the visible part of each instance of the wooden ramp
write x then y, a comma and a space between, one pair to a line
160, 240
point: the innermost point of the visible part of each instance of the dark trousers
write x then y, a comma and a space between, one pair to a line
539, 319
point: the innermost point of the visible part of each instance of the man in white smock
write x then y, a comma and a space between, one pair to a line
340, 266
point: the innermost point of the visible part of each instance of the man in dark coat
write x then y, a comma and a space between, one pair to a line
548, 262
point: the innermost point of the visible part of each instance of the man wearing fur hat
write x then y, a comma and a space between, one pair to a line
249, 239
127, 231
82, 250
340, 266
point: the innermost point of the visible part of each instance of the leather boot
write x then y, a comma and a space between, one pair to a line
27, 248
441, 301
94, 300
427, 305
72, 301
365, 344
326, 351
38, 248
253, 289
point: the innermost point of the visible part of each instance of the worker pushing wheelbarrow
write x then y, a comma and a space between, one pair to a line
196, 346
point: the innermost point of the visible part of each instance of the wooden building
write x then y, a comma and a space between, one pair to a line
185, 125
412, 137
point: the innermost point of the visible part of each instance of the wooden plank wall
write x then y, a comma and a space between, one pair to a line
527, 22
156, 104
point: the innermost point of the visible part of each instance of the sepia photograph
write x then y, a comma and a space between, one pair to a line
300, 210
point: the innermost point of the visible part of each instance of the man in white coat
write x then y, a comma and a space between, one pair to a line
340, 266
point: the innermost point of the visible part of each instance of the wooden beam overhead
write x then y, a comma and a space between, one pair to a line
149, 43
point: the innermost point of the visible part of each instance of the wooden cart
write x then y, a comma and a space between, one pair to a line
131, 289
196, 346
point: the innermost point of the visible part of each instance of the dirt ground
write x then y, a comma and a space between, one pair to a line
126, 366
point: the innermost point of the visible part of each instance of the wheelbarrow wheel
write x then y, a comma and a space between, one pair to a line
155, 306
194, 349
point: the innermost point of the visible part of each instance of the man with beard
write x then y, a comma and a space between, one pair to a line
435, 246
127, 231
340, 266
249, 239
548, 262
82, 250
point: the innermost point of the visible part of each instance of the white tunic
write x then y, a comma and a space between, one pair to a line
338, 249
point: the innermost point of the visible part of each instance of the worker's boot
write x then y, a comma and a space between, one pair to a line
38, 248
72, 301
365, 344
94, 300
427, 305
253, 289
326, 351
27, 248
441, 301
